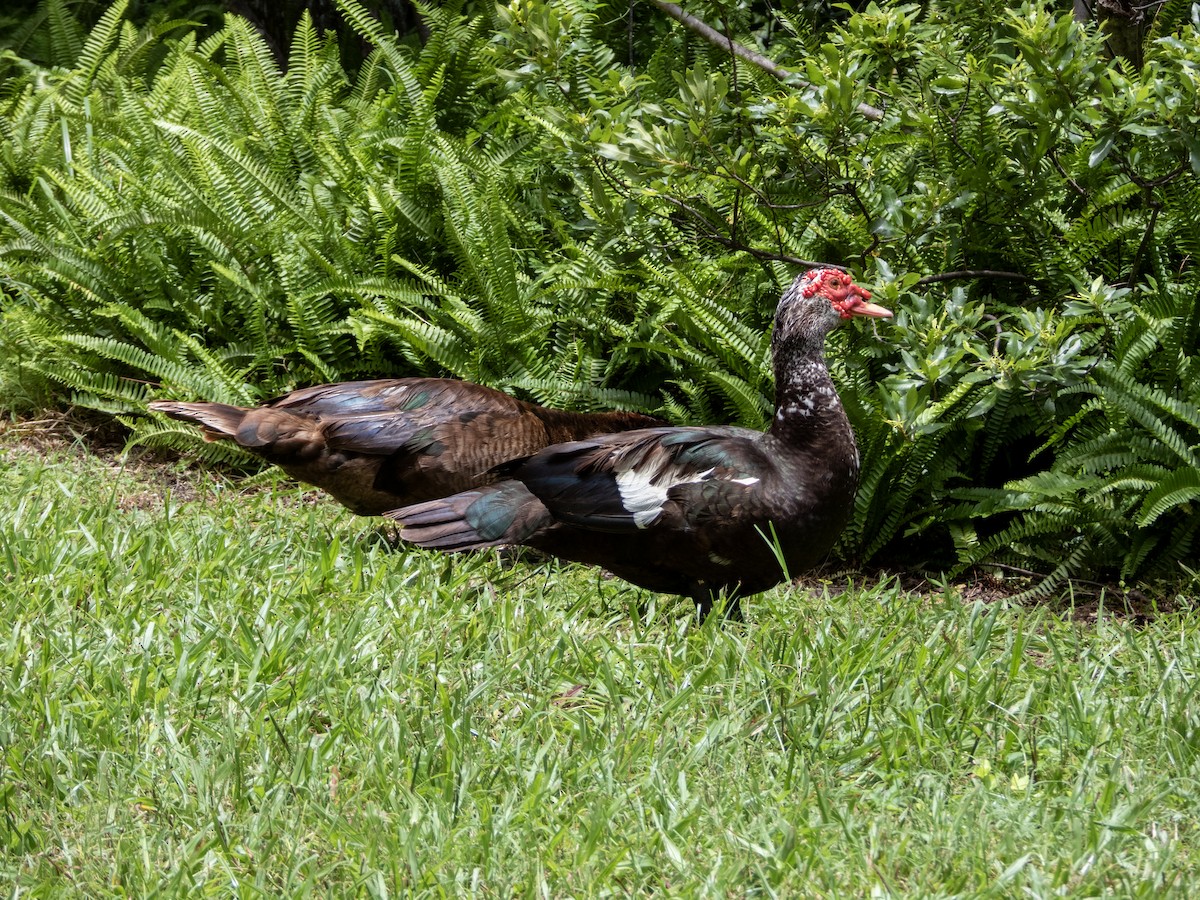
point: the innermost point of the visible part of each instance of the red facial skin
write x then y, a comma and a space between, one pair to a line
847, 298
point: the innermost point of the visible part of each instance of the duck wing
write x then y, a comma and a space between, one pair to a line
657, 478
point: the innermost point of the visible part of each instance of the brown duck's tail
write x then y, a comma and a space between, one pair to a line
220, 421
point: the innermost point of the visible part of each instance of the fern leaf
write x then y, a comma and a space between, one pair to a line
1180, 488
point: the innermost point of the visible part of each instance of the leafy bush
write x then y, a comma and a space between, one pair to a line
596, 212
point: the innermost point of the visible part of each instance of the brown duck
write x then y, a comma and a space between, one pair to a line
688, 510
376, 445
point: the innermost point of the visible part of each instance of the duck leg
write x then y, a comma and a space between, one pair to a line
705, 598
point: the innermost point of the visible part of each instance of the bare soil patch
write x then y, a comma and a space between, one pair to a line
58, 435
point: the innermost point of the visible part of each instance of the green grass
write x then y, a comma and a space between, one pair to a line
251, 693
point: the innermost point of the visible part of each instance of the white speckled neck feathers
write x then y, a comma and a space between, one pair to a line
809, 417
805, 397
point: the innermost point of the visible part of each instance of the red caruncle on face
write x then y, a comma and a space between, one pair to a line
846, 297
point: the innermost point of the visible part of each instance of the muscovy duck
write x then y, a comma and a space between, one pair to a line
688, 510
375, 445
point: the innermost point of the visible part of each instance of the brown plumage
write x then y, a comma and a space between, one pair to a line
688, 510
376, 445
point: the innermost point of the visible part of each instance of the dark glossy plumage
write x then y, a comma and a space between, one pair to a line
375, 445
688, 510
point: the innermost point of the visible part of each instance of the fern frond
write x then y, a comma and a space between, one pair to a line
1178, 489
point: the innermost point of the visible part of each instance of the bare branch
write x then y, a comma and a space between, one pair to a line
725, 42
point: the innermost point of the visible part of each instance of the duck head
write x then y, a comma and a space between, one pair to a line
818, 301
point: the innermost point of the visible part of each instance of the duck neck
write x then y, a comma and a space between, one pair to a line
806, 402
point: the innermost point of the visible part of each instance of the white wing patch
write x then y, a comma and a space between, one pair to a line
644, 494
644, 491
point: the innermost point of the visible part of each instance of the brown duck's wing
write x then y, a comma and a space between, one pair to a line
394, 395
433, 400
433, 455
443, 436
388, 442
374, 462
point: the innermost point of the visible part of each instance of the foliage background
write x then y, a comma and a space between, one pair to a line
586, 204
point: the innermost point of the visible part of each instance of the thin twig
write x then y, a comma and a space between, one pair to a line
717, 39
973, 273
848, 189
1053, 157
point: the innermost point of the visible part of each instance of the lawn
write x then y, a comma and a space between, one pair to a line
211, 690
